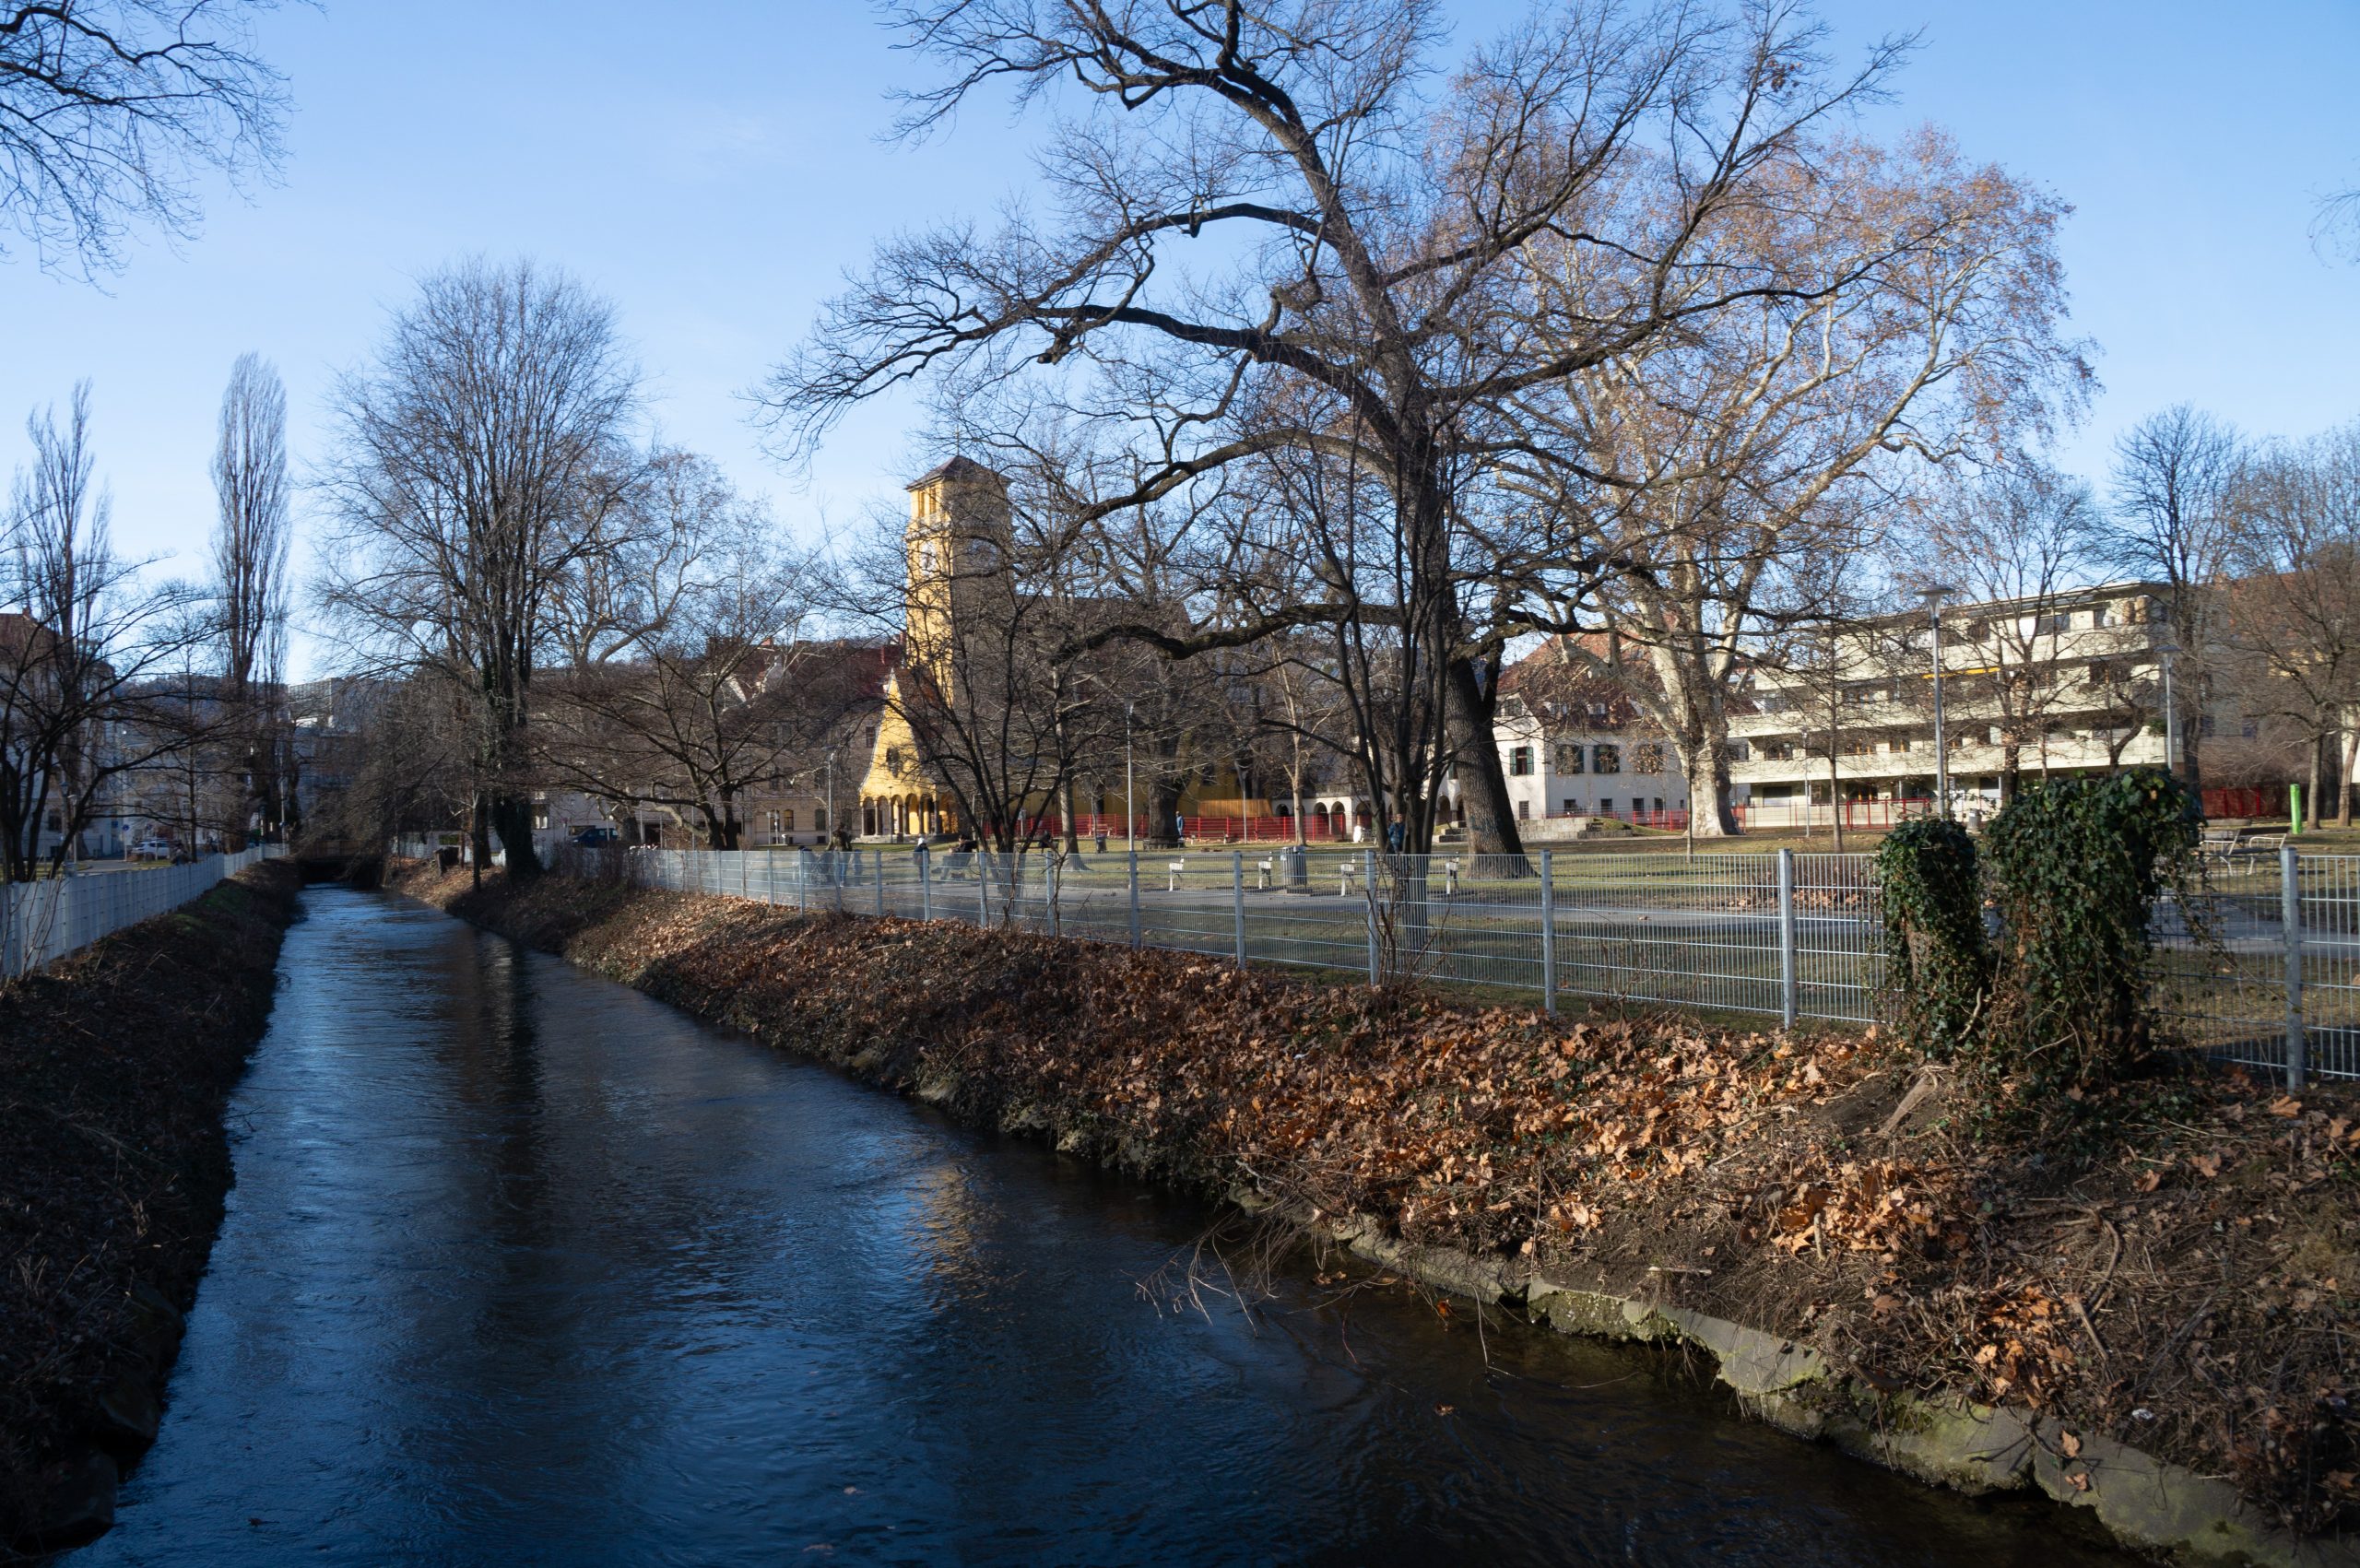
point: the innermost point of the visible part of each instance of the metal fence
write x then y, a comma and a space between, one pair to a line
42, 922
2266, 974
1788, 936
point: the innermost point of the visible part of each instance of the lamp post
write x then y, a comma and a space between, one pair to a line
2171, 712
1130, 807
831, 796
1934, 594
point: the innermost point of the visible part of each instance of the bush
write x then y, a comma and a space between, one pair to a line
1938, 963
2076, 866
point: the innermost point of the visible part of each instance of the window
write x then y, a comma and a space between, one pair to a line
1568, 806
1524, 810
1606, 806
1569, 759
868, 737
819, 819
2102, 615
1608, 759
540, 814
1899, 745
1658, 805
2049, 625
1740, 751
892, 758
1520, 761
2101, 673
2204, 726
1647, 757
785, 820
925, 558
1597, 713
1857, 747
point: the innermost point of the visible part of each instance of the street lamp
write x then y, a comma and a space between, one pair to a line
1934, 594
831, 833
2171, 712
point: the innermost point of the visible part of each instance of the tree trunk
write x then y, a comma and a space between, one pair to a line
1705, 768
2343, 779
1491, 811
511, 819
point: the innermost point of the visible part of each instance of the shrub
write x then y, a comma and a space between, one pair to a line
1938, 963
2076, 866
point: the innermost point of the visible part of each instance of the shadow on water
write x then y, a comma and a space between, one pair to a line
521, 1267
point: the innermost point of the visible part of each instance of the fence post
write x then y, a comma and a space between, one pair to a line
1786, 939
925, 883
982, 892
1547, 932
1135, 900
2290, 915
1368, 868
803, 883
1237, 899
880, 884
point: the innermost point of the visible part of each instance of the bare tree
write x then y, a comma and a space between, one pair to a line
687, 681
111, 109
1278, 232
1687, 496
2017, 538
251, 536
480, 452
88, 649
2291, 626
2177, 476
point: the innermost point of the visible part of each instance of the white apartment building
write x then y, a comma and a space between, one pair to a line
2067, 683
1578, 764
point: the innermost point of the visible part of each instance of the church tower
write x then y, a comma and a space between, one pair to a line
958, 542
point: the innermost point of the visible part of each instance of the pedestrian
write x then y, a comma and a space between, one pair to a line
1393, 836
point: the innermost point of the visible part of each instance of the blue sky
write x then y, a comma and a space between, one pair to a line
715, 176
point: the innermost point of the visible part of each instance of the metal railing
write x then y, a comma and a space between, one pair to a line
42, 922
2266, 976
1786, 936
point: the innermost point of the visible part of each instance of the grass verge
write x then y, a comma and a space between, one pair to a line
114, 1070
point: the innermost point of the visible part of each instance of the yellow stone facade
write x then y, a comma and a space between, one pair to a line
957, 515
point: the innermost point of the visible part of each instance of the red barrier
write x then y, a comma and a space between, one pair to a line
2256, 800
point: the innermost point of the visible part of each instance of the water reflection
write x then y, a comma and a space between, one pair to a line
524, 1268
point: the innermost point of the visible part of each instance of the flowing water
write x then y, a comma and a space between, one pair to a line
523, 1267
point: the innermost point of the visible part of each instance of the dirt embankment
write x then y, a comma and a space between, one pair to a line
2171, 1265
115, 1071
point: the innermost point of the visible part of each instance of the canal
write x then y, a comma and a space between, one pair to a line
523, 1267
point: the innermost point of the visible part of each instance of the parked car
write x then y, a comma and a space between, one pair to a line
593, 837
152, 849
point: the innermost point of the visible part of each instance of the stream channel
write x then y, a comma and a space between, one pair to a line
523, 1266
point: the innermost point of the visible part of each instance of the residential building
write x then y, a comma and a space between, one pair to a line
2066, 683
1577, 748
